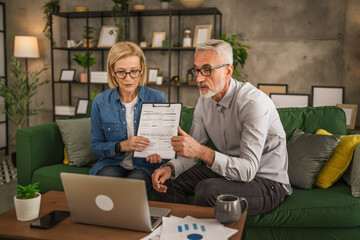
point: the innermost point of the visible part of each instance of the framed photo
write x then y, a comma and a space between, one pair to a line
327, 96
290, 100
350, 112
81, 107
108, 36
158, 38
152, 75
202, 34
67, 75
273, 88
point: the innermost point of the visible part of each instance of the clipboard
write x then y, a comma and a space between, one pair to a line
158, 122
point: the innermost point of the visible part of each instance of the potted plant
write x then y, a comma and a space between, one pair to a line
84, 61
239, 54
118, 11
27, 202
159, 79
165, 3
88, 38
51, 6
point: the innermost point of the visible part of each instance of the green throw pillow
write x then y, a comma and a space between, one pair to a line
76, 136
307, 154
352, 175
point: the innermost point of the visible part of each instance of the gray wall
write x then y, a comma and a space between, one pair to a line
300, 43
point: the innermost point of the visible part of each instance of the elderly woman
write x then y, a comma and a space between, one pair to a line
115, 116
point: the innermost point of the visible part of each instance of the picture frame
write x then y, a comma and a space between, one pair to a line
282, 100
202, 34
81, 107
158, 38
67, 75
350, 112
327, 95
152, 75
273, 88
108, 36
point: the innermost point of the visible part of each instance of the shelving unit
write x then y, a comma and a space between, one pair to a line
4, 126
137, 17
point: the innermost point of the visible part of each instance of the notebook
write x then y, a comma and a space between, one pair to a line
111, 202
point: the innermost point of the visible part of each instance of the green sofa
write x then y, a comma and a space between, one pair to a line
332, 213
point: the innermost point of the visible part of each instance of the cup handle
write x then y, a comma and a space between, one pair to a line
246, 204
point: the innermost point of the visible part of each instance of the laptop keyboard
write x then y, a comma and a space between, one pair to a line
153, 219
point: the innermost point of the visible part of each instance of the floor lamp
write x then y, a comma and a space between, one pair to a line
26, 47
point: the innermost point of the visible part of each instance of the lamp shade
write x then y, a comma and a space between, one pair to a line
26, 47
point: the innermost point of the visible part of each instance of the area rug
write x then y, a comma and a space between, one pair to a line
8, 171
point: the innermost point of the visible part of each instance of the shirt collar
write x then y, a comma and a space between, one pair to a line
226, 100
116, 97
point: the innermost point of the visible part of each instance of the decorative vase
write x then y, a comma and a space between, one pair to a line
83, 77
90, 41
159, 80
139, 7
27, 209
192, 3
165, 5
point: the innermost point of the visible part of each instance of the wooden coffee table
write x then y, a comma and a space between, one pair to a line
10, 228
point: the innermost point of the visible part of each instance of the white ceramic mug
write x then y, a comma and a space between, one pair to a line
228, 208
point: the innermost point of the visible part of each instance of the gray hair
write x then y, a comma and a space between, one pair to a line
221, 47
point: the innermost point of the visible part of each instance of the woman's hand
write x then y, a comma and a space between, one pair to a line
135, 143
154, 158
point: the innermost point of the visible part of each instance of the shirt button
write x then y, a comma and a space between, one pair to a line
108, 129
135, 108
134, 121
123, 122
123, 109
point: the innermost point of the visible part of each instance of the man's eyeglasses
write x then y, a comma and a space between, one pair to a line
205, 71
123, 74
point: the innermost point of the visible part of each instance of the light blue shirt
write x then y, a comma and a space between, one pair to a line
246, 129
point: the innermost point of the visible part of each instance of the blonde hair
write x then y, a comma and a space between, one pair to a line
121, 50
221, 47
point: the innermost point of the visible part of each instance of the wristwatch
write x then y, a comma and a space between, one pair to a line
117, 148
171, 167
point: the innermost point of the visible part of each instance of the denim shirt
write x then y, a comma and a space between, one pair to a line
108, 126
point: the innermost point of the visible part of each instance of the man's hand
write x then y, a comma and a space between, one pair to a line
159, 177
154, 158
185, 146
134, 143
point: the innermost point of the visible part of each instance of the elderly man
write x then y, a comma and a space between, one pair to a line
245, 127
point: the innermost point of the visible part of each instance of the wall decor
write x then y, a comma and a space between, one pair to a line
202, 34
350, 112
108, 36
158, 38
152, 75
282, 100
81, 107
327, 95
272, 88
67, 75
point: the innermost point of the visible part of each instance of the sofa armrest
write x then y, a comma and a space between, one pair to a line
36, 147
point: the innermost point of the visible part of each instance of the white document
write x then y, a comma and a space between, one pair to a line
191, 228
158, 123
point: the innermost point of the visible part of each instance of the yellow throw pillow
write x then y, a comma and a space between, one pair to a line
339, 160
66, 160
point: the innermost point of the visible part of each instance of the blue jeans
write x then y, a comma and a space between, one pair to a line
119, 171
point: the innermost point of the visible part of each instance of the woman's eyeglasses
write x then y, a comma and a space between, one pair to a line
123, 74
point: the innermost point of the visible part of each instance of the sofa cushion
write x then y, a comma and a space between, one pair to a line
307, 154
76, 136
49, 176
339, 160
352, 175
331, 207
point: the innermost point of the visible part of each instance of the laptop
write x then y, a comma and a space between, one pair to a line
110, 202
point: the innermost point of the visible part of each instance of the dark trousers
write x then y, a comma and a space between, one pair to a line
262, 195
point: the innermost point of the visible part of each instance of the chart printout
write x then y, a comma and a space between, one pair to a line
158, 123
